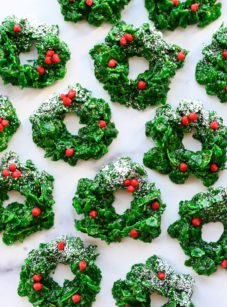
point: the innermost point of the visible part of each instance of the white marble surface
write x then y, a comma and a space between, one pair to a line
116, 259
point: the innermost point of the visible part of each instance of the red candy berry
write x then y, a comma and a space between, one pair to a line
1, 127
50, 53
12, 167
5, 172
112, 63
183, 167
102, 123
123, 41
155, 205
5, 123
213, 167
161, 275
181, 56
93, 214
17, 28
36, 211
16, 174
134, 183
82, 265
67, 101
224, 264
69, 152
196, 222
55, 58
40, 70
37, 277
71, 94
128, 37
192, 117
127, 182
61, 246
175, 2
134, 233
37, 286
48, 60
131, 189
141, 85
184, 121
214, 125
195, 7
224, 54
76, 298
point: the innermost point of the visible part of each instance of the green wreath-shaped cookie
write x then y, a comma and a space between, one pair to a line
40, 288
9, 122
20, 220
201, 209
170, 156
156, 275
211, 71
94, 11
112, 66
170, 14
92, 141
94, 200
18, 36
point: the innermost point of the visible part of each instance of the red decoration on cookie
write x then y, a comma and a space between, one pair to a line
134, 233
155, 205
131, 189
102, 123
12, 167
48, 60
135, 183
61, 246
40, 70
183, 167
214, 125
175, 2
37, 277
181, 56
127, 182
50, 53
196, 222
5, 172
5, 123
213, 167
224, 54
71, 94
55, 58
224, 264
37, 286
36, 211
194, 7
184, 121
17, 28
93, 214
192, 117
17, 174
128, 37
69, 152
141, 85
161, 275
112, 63
82, 265
76, 298
123, 41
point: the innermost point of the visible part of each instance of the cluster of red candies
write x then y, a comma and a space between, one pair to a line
3, 123
132, 184
67, 98
51, 58
194, 7
11, 170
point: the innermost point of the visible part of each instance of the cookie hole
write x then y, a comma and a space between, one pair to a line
158, 300
61, 273
14, 196
137, 65
28, 57
122, 201
190, 143
72, 123
211, 232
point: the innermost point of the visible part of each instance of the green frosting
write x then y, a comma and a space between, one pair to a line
167, 15
144, 42
211, 71
44, 261
98, 195
92, 141
96, 13
9, 122
209, 207
167, 131
17, 220
12, 44
143, 280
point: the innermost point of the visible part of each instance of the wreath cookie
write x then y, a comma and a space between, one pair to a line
170, 156
155, 276
94, 11
9, 122
203, 208
211, 71
170, 14
20, 220
40, 288
112, 66
94, 200
18, 36
92, 141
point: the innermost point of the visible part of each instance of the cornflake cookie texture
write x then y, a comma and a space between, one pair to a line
42, 291
170, 156
155, 276
203, 208
94, 11
112, 65
94, 199
170, 14
9, 122
19, 36
211, 70
91, 141
18, 220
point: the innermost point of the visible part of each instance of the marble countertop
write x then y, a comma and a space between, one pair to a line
116, 259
